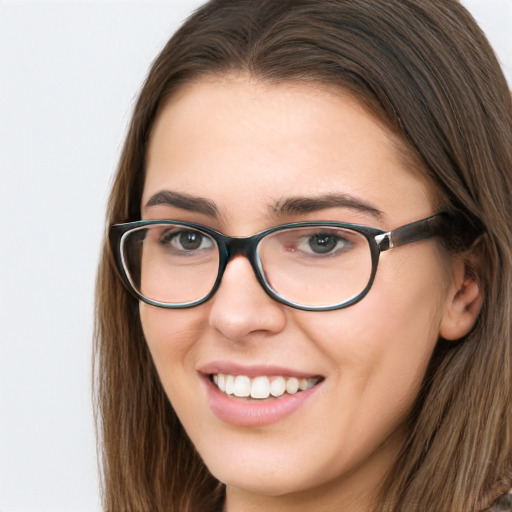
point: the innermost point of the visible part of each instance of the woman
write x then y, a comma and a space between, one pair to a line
312, 232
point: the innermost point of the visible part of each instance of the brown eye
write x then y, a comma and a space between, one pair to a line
185, 240
322, 243
190, 240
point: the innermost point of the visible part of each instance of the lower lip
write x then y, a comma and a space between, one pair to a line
254, 413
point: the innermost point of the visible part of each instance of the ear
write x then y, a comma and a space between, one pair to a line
464, 299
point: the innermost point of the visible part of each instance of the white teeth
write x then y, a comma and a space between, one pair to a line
308, 384
278, 387
221, 382
230, 384
304, 384
261, 387
292, 385
242, 386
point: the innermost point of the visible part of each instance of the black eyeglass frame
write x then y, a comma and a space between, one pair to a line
229, 247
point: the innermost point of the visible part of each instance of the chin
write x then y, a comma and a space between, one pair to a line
267, 484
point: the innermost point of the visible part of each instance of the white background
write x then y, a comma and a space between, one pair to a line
69, 74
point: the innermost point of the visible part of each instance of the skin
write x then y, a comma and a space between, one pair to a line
247, 146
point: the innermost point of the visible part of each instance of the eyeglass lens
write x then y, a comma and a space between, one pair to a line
311, 266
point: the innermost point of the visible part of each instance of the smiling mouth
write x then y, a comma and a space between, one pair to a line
262, 387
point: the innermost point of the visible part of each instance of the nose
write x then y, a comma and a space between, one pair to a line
241, 308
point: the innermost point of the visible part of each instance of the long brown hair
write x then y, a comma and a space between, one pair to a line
426, 70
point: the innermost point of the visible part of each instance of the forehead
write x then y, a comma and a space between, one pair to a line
243, 143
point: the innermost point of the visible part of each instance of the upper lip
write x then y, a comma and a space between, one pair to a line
233, 368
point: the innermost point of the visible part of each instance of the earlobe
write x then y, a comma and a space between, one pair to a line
464, 302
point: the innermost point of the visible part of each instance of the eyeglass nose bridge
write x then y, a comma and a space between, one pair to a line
239, 246
231, 247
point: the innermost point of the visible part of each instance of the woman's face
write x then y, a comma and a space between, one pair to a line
249, 148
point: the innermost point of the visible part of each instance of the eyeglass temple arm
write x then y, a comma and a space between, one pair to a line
419, 230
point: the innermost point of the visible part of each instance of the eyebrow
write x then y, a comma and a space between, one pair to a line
303, 205
289, 206
184, 202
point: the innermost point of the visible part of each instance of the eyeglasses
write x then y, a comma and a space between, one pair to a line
313, 266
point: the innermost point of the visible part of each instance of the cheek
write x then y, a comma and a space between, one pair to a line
171, 336
382, 345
